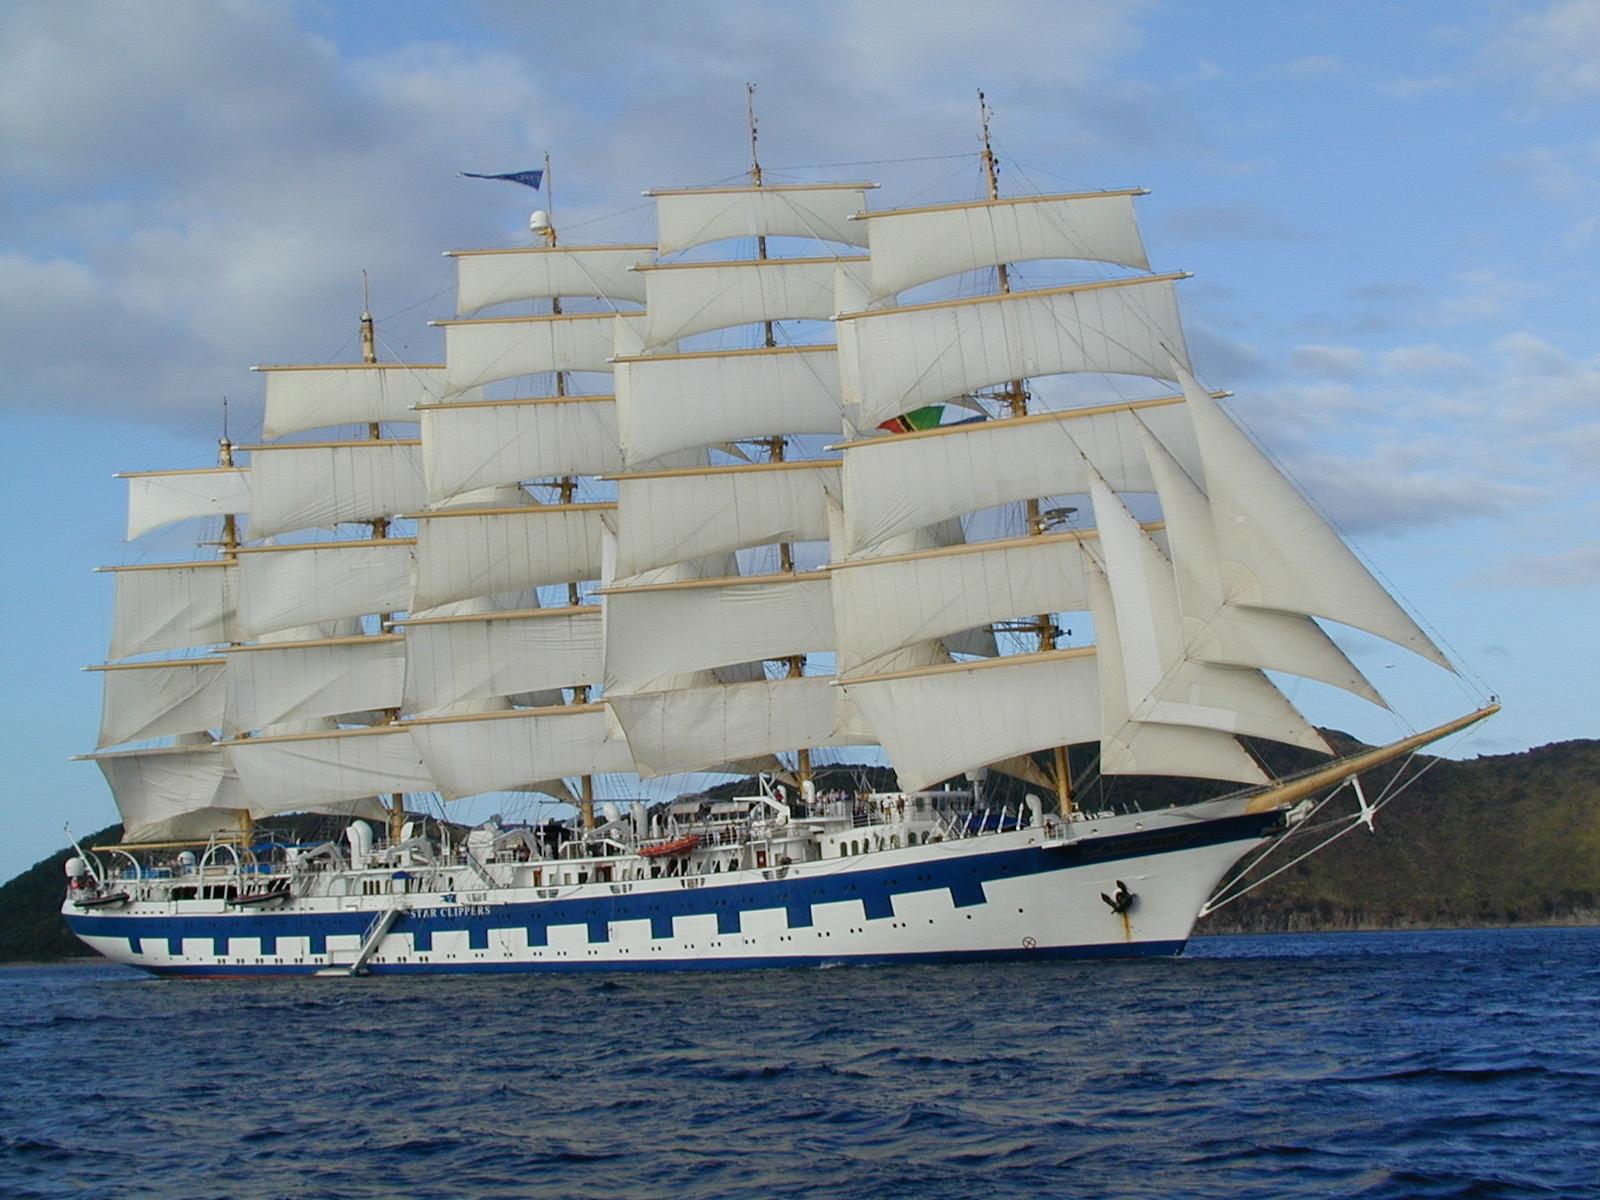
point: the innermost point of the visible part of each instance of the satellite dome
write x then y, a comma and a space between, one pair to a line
539, 222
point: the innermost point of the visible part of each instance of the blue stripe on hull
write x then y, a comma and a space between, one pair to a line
1168, 949
962, 877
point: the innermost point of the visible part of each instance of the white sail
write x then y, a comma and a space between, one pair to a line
488, 277
911, 246
672, 402
883, 604
148, 700
978, 641
274, 683
896, 360
697, 728
304, 584
1162, 683
627, 335
937, 722
512, 750
694, 217
173, 791
487, 349
503, 495
171, 606
157, 498
671, 516
1228, 634
452, 659
895, 484
671, 628
715, 567
312, 485
1130, 747
1275, 550
496, 442
463, 553
316, 397
688, 298
299, 771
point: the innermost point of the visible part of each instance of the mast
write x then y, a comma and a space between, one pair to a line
795, 663
230, 523
230, 552
1015, 396
568, 485
380, 532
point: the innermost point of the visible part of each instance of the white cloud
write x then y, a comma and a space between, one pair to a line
1426, 360
1529, 354
1232, 222
258, 172
1329, 362
1392, 489
1581, 235
1557, 48
1553, 173
1311, 66
1406, 88
1575, 568
123, 91
1217, 356
1507, 435
1480, 294
1580, 446
261, 168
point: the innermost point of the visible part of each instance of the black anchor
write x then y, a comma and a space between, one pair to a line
1122, 901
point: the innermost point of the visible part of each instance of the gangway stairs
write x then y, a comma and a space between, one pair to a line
376, 932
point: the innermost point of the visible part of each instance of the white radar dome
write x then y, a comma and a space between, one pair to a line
76, 868
539, 222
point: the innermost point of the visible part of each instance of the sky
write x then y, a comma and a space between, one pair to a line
1390, 212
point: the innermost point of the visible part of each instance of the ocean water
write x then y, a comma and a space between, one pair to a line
1371, 1065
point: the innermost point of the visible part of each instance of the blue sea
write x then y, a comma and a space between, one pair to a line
1375, 1065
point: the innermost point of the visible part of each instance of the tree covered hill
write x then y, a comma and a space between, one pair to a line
31, 928
1506, 839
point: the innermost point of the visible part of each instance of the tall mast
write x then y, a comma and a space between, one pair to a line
230, 551
230, 523
1016, 399
569, 488
369, 355
568, 483
555, 301
369, 341
775, 444
380, 531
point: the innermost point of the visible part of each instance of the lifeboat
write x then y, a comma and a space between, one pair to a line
666, 849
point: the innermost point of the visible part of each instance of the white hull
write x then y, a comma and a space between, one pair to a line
1032, 892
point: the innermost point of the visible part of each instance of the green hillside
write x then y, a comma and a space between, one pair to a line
1509, 839
31, 928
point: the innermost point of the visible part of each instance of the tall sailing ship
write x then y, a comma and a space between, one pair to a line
751, 511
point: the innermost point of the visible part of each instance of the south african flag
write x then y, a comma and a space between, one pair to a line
919, 418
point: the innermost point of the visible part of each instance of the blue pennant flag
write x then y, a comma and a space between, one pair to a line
531, 179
